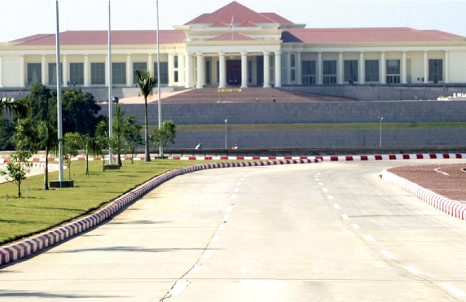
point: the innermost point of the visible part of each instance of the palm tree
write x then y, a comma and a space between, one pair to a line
119, 131
47, 138
8, 105
101, 135
92, 147
146, 84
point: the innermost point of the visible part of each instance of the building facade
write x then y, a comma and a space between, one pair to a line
236, 46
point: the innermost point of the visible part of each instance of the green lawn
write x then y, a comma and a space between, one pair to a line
43, 210
315, 126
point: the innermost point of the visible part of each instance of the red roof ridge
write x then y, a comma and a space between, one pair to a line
249, 24
233, 37
279, 20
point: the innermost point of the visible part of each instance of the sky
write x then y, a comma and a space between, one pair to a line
21, 18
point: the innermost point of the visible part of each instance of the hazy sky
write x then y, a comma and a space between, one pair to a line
20, 18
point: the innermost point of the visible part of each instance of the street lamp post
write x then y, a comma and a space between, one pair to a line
226, 134
159, 103
380, 130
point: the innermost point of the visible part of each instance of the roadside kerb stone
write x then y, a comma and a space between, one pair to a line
29, 246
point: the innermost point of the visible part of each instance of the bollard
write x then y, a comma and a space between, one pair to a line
6, 197
74, 177
27, 191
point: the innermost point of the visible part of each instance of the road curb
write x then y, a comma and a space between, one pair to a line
433, 199
32, 245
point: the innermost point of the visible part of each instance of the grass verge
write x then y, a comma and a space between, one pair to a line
315, 126
46, 209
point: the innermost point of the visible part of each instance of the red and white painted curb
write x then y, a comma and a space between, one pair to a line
29, 246
332, 158
51, 166
439, 202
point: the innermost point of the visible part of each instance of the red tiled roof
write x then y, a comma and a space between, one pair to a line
220, 24
277, 18
248, 24
363, 35
238, 12
233, 37
119, 37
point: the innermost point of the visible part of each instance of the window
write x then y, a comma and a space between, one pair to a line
435, 70
76, 74
34, 73
97, 73
293, 75
141, 66
175, 76
272, 69
208, 72
293, 61
372, 70
163, 72
53, 73
330, 72
293, 68
393, 71
176, 62
249, 71
309, 72
283, 67
351, 70
119, 73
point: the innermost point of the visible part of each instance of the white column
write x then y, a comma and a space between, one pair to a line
22, 80
150, 67
129, 71
278, 69
188, 70
298, 69
87, 77
426, 67
244, 69
288, 67
43, 69
447, 67
319, 69
65, 71
340, 77
383, 68
223, 72
404, 78
1, 72
181, 72
361, 74
171, 68
266, 69
200, 70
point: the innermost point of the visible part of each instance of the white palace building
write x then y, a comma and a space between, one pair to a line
236, 46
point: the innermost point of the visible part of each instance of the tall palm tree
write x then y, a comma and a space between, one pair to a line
101, 136
92, 147
146, 84
8, 105
47, 138
119, 132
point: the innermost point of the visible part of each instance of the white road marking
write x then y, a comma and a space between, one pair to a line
225, 218
233, 196
236, 190
215, 239
387, 254
238, 183
230, 208
453, 289
369, 237
330, 197
321, 184
441, 172
345, 217
317, 179
337, 207
221, 227
318, 174
324, 189
245, 175
207, 254
178, 288
413, 270
241, 179
355, 226
195, 269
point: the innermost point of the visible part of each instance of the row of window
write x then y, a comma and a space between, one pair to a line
98, 71
371, 68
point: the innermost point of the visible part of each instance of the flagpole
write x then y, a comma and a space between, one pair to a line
59, 101
110, 103
158, 77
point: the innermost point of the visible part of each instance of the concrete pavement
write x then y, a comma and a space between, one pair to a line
323, 232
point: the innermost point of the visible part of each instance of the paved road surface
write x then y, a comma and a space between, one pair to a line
319, 232
32, 172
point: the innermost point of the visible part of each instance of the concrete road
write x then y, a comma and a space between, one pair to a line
319, 232
32, 172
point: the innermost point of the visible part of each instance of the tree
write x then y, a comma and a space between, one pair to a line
71, 144
146, 84
7, 131
48, 139
102, 140
118, 132
10, 106
133, 137
91, 146
16, 169
164, 136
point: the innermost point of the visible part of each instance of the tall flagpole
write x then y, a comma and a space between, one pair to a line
59, 103
110, 102
158, 76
